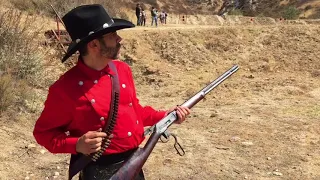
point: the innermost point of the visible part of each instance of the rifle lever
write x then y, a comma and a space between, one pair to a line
165, 138
177, 146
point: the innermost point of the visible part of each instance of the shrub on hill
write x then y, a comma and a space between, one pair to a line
21, 62
63, 6
291, 13
236, 12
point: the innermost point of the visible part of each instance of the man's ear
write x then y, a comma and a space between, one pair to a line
94, 45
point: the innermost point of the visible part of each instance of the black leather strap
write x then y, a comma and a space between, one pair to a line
113, 112
80, 161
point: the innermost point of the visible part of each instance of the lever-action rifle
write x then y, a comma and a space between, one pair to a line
134, 164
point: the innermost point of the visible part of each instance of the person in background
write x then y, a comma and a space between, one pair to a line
143, 17
154, 16
162, 16
138, 14
165, 17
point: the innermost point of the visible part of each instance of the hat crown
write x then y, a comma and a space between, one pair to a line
87, 22
82, 20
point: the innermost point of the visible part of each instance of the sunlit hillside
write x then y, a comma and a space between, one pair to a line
261, 123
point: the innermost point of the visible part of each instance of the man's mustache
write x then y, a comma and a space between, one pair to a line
118, 46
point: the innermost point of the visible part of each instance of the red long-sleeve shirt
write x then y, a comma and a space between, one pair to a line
79, 102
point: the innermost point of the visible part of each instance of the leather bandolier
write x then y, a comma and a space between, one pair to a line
79, 161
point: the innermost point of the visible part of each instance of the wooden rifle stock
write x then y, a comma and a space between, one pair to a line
134, 164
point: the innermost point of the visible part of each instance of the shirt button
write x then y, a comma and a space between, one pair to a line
137, 122
102, 118
96, 81
67, 133
80, 83
129, 134
130, 104
93, 101
123, 85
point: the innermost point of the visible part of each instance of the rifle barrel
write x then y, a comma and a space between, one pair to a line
202, 93
134, 164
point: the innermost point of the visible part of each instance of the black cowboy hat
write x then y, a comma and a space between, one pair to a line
87, 22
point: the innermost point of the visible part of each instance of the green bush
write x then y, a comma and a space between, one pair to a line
236, 12
291, 13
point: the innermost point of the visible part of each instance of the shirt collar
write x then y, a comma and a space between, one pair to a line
92, 73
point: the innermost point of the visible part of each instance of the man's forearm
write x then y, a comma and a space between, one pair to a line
60, 144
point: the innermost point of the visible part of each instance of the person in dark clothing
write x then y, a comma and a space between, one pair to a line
138, 14
165, 17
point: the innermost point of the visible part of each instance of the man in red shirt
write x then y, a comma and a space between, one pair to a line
77, 106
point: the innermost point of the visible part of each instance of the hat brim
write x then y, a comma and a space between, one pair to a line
117, 25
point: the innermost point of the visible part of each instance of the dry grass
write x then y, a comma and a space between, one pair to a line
125, 8
22, 64
6, 92
18, 54
63, 6
261, 122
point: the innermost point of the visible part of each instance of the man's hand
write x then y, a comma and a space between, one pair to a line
91, 142
182, 113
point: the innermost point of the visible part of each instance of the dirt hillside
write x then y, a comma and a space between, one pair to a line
291, 9
262, 123
269, 8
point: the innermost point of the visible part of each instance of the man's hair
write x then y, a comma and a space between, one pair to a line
83, 50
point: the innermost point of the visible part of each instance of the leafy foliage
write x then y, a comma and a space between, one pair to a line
291, 13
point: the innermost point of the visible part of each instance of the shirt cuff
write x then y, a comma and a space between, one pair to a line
160, 114
71, 143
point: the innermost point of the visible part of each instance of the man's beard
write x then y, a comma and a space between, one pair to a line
110, 52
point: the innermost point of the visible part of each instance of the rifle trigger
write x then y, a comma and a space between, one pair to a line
165, 136
177, 146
